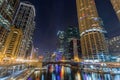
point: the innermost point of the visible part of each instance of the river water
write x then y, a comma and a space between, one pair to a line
57, 72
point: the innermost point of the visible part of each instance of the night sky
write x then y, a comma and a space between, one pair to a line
54, 15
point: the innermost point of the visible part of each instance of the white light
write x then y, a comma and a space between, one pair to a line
118, 11
93, 29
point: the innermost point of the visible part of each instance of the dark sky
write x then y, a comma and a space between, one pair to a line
54, 15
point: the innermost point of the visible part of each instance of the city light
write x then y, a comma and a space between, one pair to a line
60, 40
92, 30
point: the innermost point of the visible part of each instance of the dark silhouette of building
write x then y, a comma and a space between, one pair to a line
61, 42
72, 43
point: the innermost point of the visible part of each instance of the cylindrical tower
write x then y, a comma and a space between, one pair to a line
116, 7
91, 32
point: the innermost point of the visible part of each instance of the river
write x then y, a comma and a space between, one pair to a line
57, 72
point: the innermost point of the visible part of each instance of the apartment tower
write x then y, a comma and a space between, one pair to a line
92, 36
7, 11
24, 19
116, 7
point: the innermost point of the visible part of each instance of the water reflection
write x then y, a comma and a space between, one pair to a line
78, 76
57, 72
62, 73
42, 78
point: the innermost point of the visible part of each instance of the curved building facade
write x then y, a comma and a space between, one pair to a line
116, 7
92, 36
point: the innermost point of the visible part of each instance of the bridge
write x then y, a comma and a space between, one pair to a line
72, 63
97, 67
99, 64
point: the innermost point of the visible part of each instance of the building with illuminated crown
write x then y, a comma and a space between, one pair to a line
116, 7
7, 11
24, 19
92, 37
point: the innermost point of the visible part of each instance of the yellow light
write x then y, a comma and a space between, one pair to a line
62, 72
76, 59
12, 58
78, 76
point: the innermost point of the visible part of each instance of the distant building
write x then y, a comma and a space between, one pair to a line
58, 55
12, 43
61, 37
24, 19
92, 37
7, 11
114, 46
29, 50
34, 53
116, 7
75, 49
47, 56
72, 43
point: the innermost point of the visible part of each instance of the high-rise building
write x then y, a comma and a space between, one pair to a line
72, 43
116, 7
12, 44
114, 46
24, 19
75, 49
61, 37
7, 11
29, 50
33, 52
72, 32
91, 31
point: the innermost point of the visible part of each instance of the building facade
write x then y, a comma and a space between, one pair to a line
75, 49
114, 46
91, 31
61, 37
12, 44
7, 11
24, 19
72, 43
116, 7
29, 50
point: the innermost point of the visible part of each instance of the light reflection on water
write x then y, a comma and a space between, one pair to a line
78, 76
57, 72
62, 73
42, 78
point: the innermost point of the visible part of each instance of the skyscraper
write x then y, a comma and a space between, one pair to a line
116, 7
91, 31
75, 49
12, 43
61, 37
114, 46
24, 19
72, 39
7, 11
